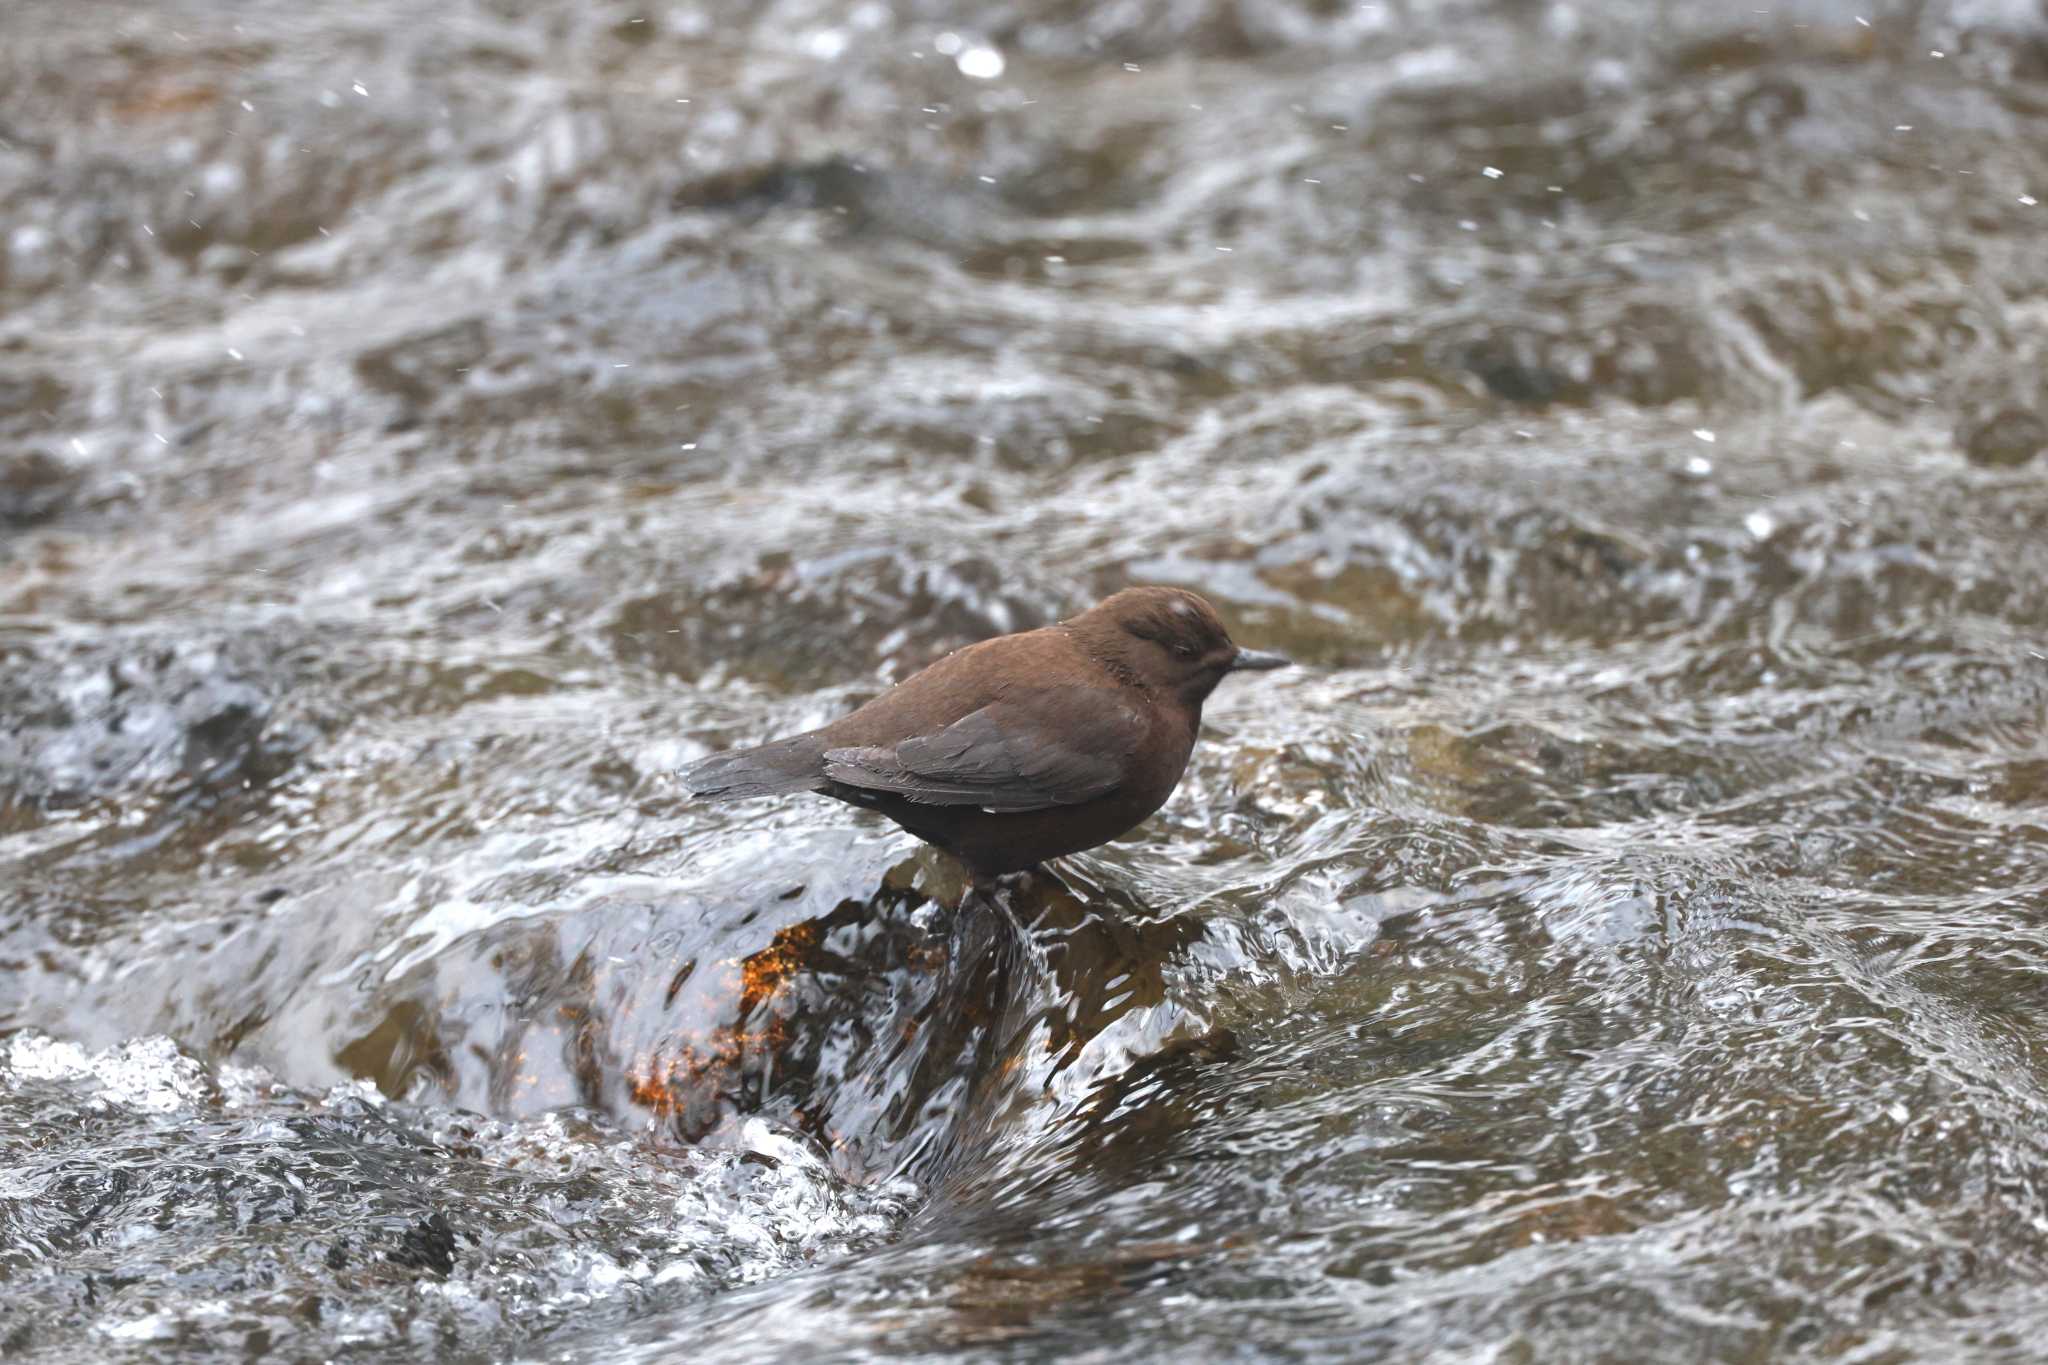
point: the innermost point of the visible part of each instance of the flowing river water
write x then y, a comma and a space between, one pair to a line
423, 429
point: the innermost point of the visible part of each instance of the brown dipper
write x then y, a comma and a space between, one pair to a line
1020, 748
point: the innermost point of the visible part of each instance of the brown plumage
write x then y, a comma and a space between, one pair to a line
1020, 748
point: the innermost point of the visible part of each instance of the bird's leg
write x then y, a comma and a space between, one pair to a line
982, 918
988, 893
1021, 879
1008, 893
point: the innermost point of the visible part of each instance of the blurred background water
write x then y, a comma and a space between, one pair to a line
424, 428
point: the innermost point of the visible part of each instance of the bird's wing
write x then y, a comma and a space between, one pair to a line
1006, 757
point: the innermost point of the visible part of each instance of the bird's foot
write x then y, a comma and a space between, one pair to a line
1011, 883
1010, 893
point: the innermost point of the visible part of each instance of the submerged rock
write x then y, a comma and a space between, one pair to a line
34, 486
81, 720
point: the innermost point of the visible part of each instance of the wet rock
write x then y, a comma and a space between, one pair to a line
170, 1199
874, 201
1582, 351
34, 487
28, 402
1878, 331
835, 184
417, 370
106, 719
2002, 401
427, 1245
394, 1054
2010, 436
1511, 369
828, 621
2023, 783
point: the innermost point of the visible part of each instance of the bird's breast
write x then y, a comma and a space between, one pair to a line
1162, 756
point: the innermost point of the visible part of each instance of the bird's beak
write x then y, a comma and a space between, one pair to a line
1252, 660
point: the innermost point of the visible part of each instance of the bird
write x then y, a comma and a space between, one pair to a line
1020, 748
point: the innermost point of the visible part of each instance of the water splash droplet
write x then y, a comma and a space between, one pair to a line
980, 63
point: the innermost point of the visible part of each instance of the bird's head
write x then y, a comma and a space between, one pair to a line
1170, 640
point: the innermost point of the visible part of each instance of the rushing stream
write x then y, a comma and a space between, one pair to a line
425, 428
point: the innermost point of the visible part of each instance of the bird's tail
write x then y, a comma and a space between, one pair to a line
796, 764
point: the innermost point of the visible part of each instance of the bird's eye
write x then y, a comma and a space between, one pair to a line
1185, 651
